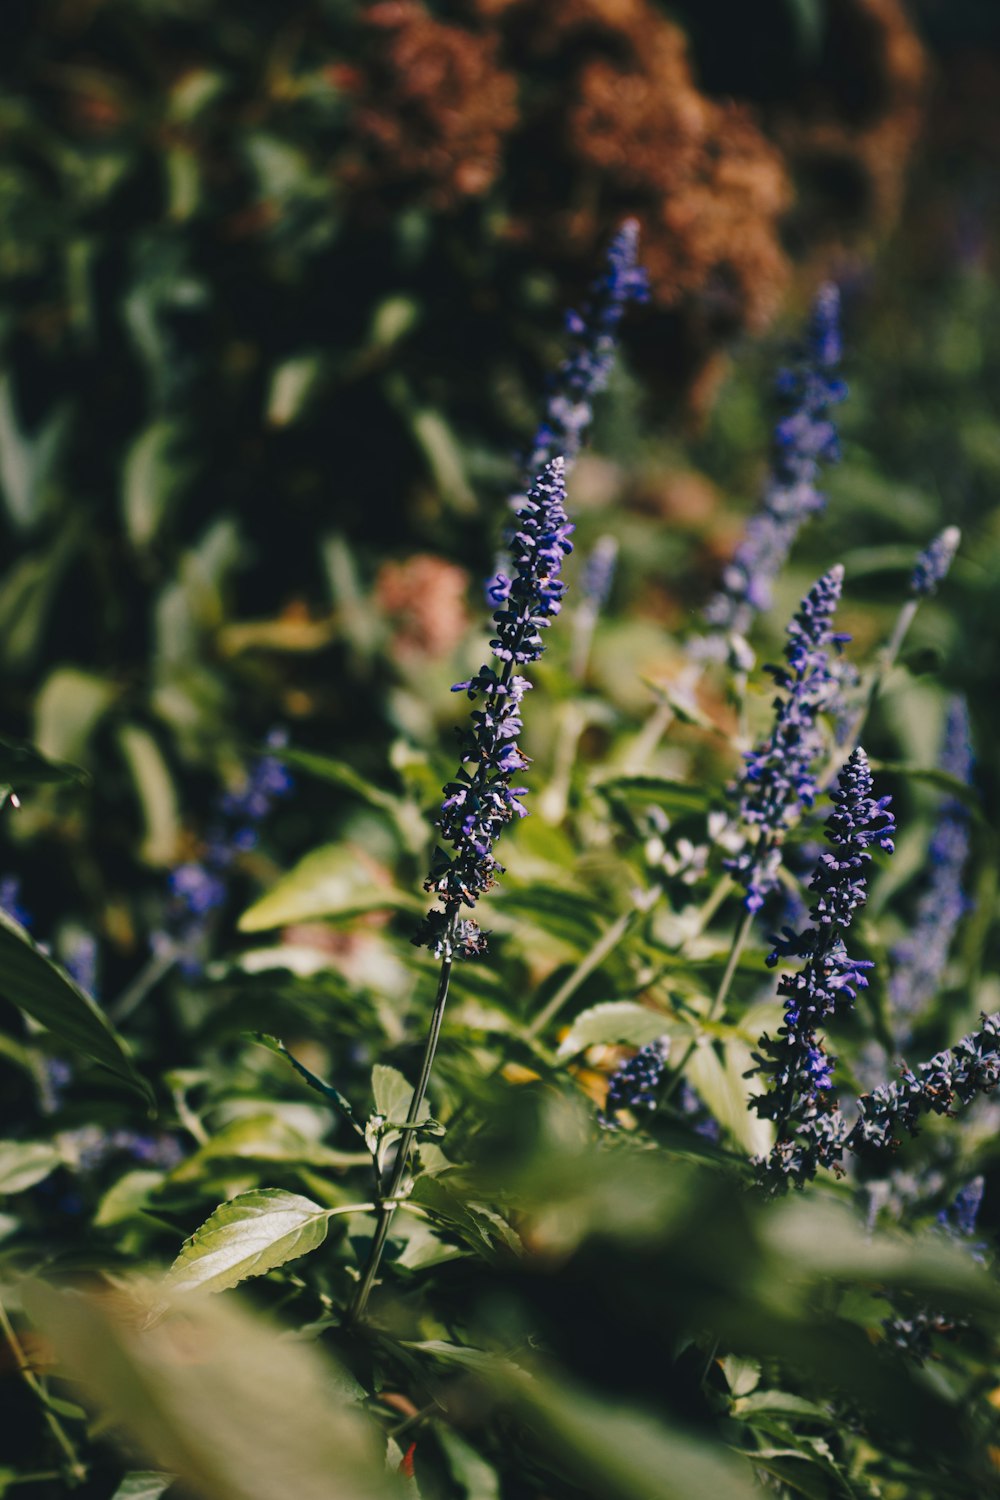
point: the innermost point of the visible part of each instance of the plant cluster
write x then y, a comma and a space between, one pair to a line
474, 1202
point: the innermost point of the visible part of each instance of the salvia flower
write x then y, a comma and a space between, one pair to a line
481, 798
779, 779
586, 370
912, 1333
798, 1070
198, 887
920, 958
804, 440
953, 1077
636, 1083
599, 573
932, 565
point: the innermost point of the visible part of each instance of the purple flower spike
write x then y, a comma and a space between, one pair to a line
779, 779
634, 1085
919, 960
798, 1070
586, 371
803, 441
932, 565
481, 799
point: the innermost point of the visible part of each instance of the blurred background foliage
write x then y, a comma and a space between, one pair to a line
279, 290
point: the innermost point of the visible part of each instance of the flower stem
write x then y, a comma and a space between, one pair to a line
605, 944
387, 1203
735, 954
76, 1469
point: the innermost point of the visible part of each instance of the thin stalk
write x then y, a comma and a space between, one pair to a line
735, 954
27, 1374
432, 1409
156, 967
604, 945
885, 664
388, 1203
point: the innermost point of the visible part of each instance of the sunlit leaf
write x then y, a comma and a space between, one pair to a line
248, 1236
23, 1163
331, 882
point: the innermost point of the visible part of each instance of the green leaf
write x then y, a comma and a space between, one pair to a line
331, 882
248, 1236
405, 814
726, 1092
157, 795
31, 981
127, 1197
21, 765
336, 1098
27, 462
293, 384
153, 473
617, 1452
477, 1478
614, 1021
23, 1163
220, 1399
261, 1138
676, 797
68, 707
143, 1484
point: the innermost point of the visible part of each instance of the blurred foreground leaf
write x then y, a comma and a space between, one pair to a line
216, 1397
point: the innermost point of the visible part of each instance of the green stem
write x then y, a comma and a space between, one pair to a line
735, 954
388, 1200
884, 665
156, 967
76, 1469
605, 944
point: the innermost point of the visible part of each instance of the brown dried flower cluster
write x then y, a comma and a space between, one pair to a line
435, 106
424, 599
851, 136
590, 110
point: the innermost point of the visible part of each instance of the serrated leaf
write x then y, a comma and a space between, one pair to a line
330, 882
143, 1484
619, 1022
248, 1236
23, 1163
31, 981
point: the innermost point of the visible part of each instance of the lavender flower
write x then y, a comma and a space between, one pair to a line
588, 367
796, 1065
912, 1335
955, 1076
634, 1085
598, 573
779, 778
920, 958
804, 440
198, 887
481, 800
932, 565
